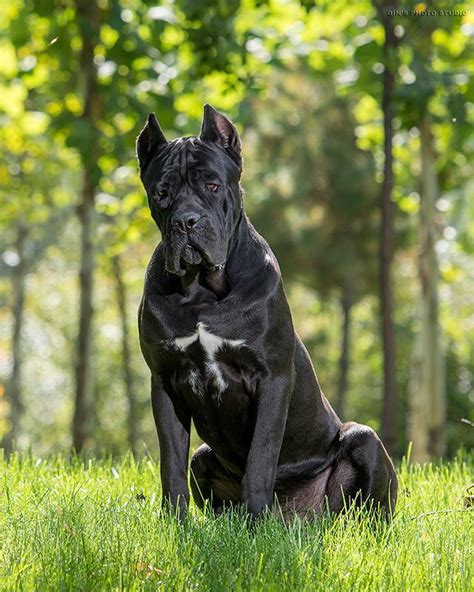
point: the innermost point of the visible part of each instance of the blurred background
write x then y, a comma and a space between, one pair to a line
357, 126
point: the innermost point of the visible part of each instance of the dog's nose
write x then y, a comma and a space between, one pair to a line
186, 221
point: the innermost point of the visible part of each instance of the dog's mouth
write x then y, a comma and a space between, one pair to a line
182, 257
191, 256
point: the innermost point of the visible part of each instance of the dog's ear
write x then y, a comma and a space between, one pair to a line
150, 138
218, 129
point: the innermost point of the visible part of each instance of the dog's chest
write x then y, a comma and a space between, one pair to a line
202, 361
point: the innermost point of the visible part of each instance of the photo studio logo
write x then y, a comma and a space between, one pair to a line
421, 10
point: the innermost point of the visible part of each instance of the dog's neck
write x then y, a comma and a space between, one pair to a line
201, 284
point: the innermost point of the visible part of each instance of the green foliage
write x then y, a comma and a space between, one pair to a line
303, 82
317, 206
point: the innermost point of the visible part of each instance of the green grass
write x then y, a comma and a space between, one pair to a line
67, 525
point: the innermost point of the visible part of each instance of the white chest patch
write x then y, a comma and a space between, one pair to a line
210, 343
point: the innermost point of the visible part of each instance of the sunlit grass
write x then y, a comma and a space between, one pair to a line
97, 525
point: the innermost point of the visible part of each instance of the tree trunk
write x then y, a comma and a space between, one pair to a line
390, 399
126, 357
14, 392
89, 27
427, 381
346, 307
83, 402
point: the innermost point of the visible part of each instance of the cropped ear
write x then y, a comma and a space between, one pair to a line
218, 129
148, 141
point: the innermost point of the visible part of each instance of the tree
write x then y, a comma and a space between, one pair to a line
32, 217
126, 356
435, 66
100, 60
319, 210
89, 26
427, 413
346, 302
18, 308
390, 400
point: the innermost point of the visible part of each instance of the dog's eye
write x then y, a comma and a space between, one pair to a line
162, 194
212, 187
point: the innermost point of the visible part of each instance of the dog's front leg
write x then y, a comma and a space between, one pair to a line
173, 424
258, 481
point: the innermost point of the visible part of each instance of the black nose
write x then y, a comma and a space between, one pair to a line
186, 221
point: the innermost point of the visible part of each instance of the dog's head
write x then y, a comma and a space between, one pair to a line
193, 190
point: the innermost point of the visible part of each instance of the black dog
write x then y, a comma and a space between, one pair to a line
217, 334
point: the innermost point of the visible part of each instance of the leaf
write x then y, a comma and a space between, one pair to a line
149, 571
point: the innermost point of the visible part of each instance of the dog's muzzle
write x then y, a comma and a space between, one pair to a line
179, 260
189, 244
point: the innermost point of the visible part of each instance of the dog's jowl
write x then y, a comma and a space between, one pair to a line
217, 334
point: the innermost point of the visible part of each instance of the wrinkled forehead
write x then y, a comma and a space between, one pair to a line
179, 157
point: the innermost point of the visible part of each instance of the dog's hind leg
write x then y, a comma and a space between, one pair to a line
302, 497
211, 482
363, 473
